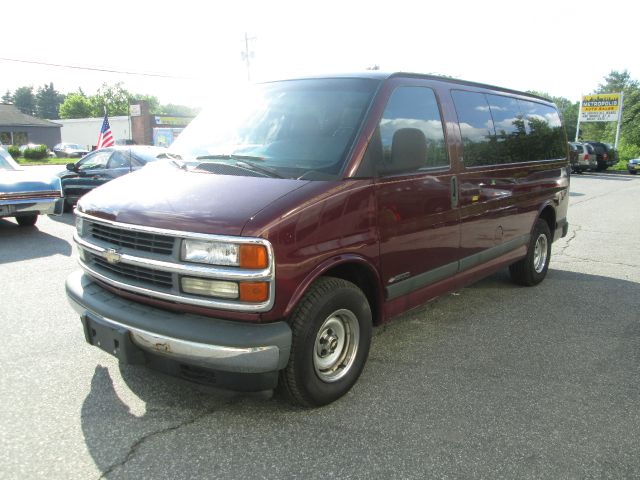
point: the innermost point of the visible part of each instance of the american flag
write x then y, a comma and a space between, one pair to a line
105, 139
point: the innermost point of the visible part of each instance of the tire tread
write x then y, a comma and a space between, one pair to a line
321, 287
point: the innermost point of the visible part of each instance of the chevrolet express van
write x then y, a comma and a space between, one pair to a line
289, 221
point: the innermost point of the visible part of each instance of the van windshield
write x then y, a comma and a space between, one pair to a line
288, 129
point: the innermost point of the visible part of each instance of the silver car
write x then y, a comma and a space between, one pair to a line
582, 157
27, 194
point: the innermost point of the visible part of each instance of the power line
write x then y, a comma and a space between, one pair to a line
97, 69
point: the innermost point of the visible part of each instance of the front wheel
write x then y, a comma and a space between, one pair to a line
532, 269
331, 336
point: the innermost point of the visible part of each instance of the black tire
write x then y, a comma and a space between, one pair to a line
328, 304
68, 206
532, 269
27, 220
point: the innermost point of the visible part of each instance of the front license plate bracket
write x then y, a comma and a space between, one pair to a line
113, 340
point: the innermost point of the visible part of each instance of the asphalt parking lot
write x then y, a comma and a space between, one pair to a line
493, 381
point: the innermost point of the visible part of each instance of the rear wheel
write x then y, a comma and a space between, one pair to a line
331, 336
27, 220
532, 269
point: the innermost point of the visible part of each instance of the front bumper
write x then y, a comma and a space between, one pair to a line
193, 340
53, 206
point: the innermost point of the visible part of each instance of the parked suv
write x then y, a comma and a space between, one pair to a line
606, 155
292, 219
582, 157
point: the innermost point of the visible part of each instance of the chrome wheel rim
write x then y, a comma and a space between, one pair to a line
336, 345
540, 253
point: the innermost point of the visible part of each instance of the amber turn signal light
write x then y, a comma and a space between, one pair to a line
254, 291
253, 256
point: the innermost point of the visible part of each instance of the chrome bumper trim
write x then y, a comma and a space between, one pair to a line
259, 359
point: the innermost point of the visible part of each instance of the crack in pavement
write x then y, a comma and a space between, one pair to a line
600, 261
133, 449
574, 233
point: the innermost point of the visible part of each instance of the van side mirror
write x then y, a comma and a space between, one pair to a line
71, 167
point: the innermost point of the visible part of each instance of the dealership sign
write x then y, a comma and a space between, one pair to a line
600, 107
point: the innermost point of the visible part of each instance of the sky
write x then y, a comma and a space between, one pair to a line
563, 48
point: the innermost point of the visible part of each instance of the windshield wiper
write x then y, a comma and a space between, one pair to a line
246, 161
259, 168
230, 156
175, 159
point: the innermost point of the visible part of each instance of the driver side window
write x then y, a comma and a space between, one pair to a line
94, 161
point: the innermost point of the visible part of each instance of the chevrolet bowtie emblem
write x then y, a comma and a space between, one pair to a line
112, 255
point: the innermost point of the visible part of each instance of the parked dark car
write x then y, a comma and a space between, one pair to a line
320, 208
633, 166
69, 150
606, 155
101, 166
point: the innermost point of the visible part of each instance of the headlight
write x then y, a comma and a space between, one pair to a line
225, 254
215, 253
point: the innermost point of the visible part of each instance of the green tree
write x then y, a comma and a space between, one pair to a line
617, 82
76, 105
114, 97
178, 110
154, 103
48, 101
25, 100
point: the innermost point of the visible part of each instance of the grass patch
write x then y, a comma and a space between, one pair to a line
621, 165
46, 161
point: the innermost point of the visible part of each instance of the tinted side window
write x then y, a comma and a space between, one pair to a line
411, 132
545, 136
510, 129
118, 160
476, 127
94, 161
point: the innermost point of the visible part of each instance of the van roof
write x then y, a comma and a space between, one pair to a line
380, 75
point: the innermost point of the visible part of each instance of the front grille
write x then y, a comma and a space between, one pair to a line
148, 242
142, 275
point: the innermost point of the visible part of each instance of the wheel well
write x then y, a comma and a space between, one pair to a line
364, 279
548, 214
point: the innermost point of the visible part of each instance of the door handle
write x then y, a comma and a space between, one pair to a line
455, 194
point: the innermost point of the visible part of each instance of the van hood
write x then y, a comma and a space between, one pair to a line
176, 199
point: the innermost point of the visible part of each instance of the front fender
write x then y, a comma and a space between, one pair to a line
339, 264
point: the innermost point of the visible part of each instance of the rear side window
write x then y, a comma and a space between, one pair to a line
411, 132
545, 136
510, 127
579, 148
497, 129
476, 128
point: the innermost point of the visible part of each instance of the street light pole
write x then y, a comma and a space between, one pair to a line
247, 55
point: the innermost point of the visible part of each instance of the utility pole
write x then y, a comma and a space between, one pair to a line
247, 54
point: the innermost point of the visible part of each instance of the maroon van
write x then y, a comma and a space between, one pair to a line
290, 220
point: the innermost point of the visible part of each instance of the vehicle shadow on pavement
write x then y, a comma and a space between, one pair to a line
494, 372
66, 218
25, 243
